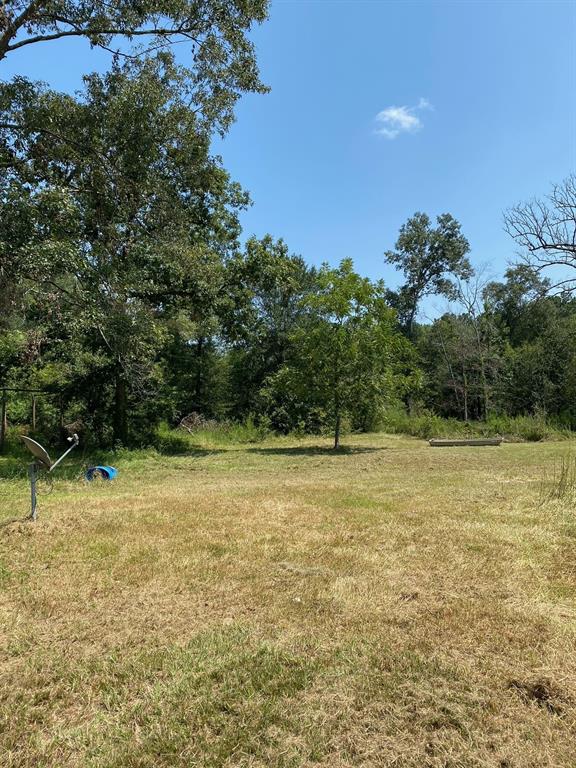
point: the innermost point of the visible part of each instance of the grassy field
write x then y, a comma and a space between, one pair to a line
281, 605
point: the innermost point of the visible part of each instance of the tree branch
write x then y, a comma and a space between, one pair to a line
166, 32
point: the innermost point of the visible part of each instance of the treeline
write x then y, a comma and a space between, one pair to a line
125, 290
291, 347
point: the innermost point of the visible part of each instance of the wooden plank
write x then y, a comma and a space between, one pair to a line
478, 441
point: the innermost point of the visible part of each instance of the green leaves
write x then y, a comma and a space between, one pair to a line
221, 64
428, 257
114, 216
346, 354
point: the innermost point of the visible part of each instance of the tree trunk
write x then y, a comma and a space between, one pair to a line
337, 400
484, 387
450, 371
337, 431
410, 323
483, 378
120, 410
3, 421
199, 404
465, 393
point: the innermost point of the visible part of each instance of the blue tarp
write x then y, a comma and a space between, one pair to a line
107, 473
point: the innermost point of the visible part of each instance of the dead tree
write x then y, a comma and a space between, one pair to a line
546, 231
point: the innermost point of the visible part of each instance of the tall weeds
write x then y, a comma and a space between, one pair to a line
511, 428
561, 486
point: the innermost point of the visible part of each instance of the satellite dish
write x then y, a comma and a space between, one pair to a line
42, 458
38, 451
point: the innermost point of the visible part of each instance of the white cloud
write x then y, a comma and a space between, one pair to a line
424, 104
393, 121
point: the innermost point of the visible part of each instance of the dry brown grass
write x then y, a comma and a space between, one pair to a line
281, 605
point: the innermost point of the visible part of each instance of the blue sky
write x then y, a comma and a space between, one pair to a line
477, 105
500, 79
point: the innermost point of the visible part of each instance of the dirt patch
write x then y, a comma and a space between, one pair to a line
542, 691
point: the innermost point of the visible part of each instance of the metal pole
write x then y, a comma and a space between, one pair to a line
32, 474
74, 440
33, 413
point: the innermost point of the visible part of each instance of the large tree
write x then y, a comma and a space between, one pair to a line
114, 214
265, 288
221, 63
429, 257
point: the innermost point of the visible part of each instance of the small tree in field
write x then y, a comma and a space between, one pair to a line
348, 344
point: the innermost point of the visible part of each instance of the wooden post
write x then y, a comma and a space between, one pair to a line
3, 421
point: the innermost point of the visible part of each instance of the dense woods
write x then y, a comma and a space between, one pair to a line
129, 298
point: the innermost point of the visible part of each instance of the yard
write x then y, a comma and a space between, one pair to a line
282, 605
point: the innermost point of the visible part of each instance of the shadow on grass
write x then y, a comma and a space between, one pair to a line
194, 452
12, 462
316, 450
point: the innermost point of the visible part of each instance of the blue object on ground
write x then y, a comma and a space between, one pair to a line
107, 473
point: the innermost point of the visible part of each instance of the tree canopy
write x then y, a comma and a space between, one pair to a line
221, 63
429, 257
114, 212
345, 352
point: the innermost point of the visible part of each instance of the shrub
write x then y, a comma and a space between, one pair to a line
424, 425
195, 431
197, 422
511, 428
224, 433
526, 428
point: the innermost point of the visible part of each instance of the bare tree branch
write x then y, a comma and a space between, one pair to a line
546, 229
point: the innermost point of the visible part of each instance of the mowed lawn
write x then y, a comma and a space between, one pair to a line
282, 605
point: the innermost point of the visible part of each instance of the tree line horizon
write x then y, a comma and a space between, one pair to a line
124, 286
